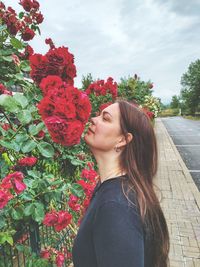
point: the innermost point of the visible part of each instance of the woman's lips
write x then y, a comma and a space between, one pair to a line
90, 130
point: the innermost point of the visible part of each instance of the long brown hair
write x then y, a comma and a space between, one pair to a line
139, 159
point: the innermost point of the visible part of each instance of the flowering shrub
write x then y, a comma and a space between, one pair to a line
47, 175
133, 88
57, 61
64, 110
38, 172
101, 92
152, 104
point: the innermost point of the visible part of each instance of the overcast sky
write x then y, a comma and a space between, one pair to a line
156, 39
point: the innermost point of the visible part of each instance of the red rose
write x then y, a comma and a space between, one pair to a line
46, 107
2, 6
74, 131
51, 218
73, 203
18, 186
28, 20
60, 60
28, 51
38, 17
14, 180
4, 198
64, 218
28, 34
50, 83
45, 254
87, 187
41, 134
60, 258
83, 108
12, 29
26, 4
15, 59
57, 61
36, 5
4, 90
102, 88
65, 109
63, 132
28, 161
6, 126
49, 42
89, 174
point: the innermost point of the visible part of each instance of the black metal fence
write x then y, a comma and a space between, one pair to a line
34, 239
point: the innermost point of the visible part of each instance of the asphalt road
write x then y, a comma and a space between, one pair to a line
186, 136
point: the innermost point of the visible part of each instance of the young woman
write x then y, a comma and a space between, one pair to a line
124, 225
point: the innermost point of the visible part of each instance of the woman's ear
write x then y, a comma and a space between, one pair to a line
129, 137
123, 141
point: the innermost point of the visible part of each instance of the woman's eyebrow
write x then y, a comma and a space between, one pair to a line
105, 112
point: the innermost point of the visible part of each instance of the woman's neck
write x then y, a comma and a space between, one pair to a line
108, 167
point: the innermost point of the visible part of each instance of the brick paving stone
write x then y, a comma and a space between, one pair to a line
180, 201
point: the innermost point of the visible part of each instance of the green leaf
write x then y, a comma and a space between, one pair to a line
29, 209
28, 146
16, 43
21, 99
24, 66
7, 58
6, 52
3, 27
9, 103
21, 138
38, 214
40, 126
33, 129
35, 174
77, 190
2, 222
5, 236
21, 14
46, 149
10, 145
20, 247
77, 162
19, 76
26, 195
9, 239
17, 213
24, 116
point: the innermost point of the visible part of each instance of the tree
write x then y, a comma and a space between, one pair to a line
175, 102
133, 88
86, 81
190, 82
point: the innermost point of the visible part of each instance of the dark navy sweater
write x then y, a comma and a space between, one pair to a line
111, 233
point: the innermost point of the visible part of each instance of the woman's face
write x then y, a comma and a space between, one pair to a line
104, 131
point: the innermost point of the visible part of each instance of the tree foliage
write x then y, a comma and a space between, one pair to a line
190, 82
175, 102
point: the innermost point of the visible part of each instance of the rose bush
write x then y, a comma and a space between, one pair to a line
47, 173
39, 129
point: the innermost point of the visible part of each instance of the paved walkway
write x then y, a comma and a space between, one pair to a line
180, 202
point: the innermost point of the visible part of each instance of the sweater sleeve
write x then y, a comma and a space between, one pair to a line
118, 236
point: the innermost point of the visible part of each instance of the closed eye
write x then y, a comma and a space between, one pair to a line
105, 119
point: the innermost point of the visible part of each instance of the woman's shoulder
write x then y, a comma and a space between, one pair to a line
116, 190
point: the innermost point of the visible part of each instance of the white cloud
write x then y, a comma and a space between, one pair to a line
155, 39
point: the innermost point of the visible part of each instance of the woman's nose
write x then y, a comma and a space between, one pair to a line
92, 120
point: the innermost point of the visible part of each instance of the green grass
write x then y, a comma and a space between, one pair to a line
169, 112
194, 118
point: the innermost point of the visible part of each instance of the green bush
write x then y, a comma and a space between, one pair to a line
169, 112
